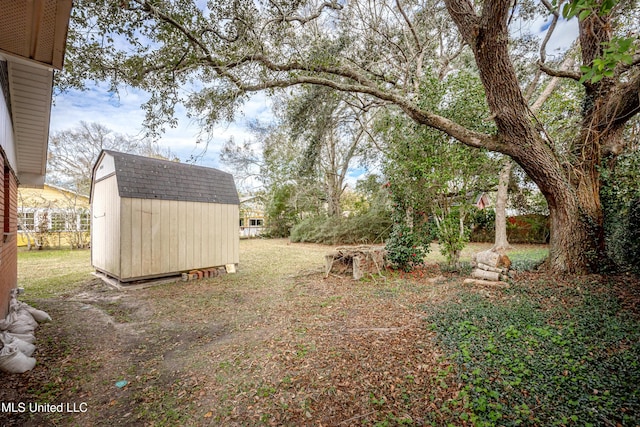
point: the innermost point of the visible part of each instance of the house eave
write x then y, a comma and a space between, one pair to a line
31, 180
35, 30
33, 36
30, 92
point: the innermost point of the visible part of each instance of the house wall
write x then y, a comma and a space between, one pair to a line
52, 196
105, 226
43, 204
7, 143
8, 200
8, 247
160, 237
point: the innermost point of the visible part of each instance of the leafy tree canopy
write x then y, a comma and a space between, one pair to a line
210, 57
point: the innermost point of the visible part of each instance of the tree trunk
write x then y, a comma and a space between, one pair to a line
577, 239
334, 195
571, 188
501, 242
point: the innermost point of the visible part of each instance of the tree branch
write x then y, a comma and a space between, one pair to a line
573, 75
625, 104
304, 19
550, 30
462, 134
164, 17
546, 93
466, 19
411, 28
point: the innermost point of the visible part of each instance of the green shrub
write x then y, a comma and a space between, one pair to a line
405, 248
451, 240
281, 215
483, 226
622, 230
530, 228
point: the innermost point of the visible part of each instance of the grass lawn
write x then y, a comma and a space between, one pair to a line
46, 273
279, 344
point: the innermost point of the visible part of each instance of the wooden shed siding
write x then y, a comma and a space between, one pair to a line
105, 223
182, 231
187, 240
168, 236
113, 227
174, 250
126, 237
217, 233
146, 237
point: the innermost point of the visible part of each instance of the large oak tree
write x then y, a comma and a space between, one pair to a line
210, 57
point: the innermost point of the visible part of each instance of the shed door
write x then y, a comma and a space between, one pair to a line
105, 227
98, 229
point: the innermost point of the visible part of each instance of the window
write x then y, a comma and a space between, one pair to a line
26, 221
85, 220
241, 222
255, 222
58, 221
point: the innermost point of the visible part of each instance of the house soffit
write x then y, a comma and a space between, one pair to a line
35, 30
32, 41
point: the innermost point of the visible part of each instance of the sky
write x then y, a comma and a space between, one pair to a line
124, 115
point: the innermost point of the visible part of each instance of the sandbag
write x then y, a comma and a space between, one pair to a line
30, 338
5, 323
19, 323
25, 347
12, 360
39, 315
22, 322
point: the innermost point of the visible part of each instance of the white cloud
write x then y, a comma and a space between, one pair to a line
98, 105
563, 36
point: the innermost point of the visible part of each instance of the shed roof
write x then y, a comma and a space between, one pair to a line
147, 178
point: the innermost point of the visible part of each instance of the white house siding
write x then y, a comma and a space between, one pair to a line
7, 141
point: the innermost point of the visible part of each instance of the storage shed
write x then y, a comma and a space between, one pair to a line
154, 218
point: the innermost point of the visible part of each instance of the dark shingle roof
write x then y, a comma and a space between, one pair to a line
146, 178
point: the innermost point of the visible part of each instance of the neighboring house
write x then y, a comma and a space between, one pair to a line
52, 216
153, 218
481, 201
32, 44
251, 216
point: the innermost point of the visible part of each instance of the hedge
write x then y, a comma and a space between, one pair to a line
531, 228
